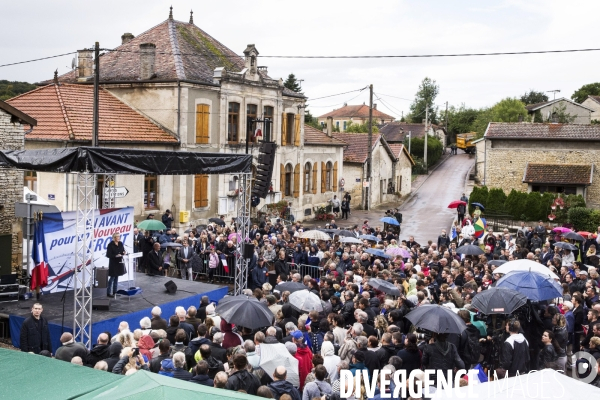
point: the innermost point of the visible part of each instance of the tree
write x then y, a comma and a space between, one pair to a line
310, 120
460, 120
507, 110
560, 115
480, 124
534, 97
10, 89
591, 89
292, 83
361, 128
424, 99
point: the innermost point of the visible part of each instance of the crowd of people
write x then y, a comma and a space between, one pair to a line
360, 327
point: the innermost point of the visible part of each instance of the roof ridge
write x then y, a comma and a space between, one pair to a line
179, 69
64, 112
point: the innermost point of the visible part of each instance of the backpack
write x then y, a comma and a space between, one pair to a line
471, 348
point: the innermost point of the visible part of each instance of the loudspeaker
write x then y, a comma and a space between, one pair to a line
101, 304
248, 250
171, 287
264, 169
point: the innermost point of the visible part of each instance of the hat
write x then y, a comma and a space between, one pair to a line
291, 347
297, 335
210, 309
582, 272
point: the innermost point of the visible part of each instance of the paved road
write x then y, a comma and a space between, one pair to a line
426, 213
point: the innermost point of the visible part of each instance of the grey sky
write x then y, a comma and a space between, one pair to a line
35, 29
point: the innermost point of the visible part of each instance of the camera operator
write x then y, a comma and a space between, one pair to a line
441, 355
514, 356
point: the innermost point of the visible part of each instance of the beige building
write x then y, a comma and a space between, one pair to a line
558, 158
358, 115
580, 113
593, 102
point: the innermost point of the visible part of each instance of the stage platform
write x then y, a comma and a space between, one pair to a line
123, 308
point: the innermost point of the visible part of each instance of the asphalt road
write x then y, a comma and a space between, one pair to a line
426, 213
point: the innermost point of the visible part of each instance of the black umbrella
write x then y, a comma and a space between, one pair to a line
384, 286
469, 250
217, 221
437, 319
345, 233
498, 300
573, 236
564, 245
290, 287
329, 230
497, 263
245, 311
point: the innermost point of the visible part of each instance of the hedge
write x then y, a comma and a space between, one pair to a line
495, 201
478, 195
434, 149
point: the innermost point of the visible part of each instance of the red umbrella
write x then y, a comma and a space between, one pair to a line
456, 203
585, 234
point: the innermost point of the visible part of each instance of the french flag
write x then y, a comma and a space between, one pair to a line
39, 274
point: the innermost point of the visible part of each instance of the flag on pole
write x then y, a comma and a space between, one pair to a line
453, 234
224, 262
39, 274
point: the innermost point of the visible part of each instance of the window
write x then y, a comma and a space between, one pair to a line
200, 191
268, 114
337, 124
289, 129
344, 126
251, 114
30, 180
233, 183
100, 191
202, 123
554, 189
307, 176
233, 123
288, 180
322, 124
328, 176
150, 192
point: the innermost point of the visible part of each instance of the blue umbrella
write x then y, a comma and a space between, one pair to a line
390, 220
536, 286
478, 205
370, 237
377, 252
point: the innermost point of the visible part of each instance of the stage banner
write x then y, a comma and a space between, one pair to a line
57, 244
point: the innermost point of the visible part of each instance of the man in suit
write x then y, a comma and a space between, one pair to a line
155, 262
184, 257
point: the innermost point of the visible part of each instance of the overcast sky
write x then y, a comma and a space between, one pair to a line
34, 29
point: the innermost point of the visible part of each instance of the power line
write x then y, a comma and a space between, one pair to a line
339, 94
38, 59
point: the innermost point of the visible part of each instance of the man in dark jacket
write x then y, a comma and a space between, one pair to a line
165, 352
156, 321
471, 333
99, 352
280, 386
179, 372
514, 355
371, 359
154, 262
214, 366
386, 350
35, 335
201, 376
217, 350
443, 240
241, 378
114, 355
167, 219
259, 274
441, 355
347, 310
287, 310
200, 339
70, 349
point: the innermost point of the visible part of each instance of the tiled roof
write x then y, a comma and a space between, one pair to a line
358, 145
18, 115
360, 111
394, 132
521, 131
65, 112
317, 137
559, 174
398, 149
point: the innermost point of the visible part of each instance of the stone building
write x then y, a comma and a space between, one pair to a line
13, 125
559, 158
358, 114
548, 111
397, 132
593, 102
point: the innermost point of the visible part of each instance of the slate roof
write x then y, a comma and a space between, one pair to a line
395, 132
358, 145
559, 174
313, 136
65, 113
535, 131
359, 111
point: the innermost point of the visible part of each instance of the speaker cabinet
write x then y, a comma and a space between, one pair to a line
171, 287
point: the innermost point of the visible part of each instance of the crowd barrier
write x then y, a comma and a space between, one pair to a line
305, 269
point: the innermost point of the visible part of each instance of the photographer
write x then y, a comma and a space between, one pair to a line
441, 355
514, 356
167, 219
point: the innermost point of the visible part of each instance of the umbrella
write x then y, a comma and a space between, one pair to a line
335, 231
398, 251
233, 235
350, 240
390, 220
561, 229
457, 203
573, 236
384, 286
217, 221
479, 226
315, 235
524, 265
498, 300
290, 287
170, 244
370, 237
151, 225
563, 245
497, 263
345, 233
585, 234
275, 355
304, 300
470, 250
436, 318
377, 252
187, 231
535, 286
245, 311
478, 205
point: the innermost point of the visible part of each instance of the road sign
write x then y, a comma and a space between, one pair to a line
119, 191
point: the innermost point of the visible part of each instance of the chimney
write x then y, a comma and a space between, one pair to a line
126, 37
374, 106
85, 64
329, 126
147, 57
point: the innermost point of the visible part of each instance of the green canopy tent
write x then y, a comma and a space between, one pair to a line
28, 376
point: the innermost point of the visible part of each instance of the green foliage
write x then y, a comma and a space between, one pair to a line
581, 218
424, 99
292, 83
311, 121
434, 149
507, 110
515, 203
478, 195
361, 128
10, 89
591, 89
533, 209
533, 97
560, 115
482, 121
495, 201
460, 120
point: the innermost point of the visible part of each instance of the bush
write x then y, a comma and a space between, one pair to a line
434, 149
478, 195
533, 204
495, 201
581, 218
515, 203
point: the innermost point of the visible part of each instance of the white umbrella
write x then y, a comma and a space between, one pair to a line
350, 240
524, 265
276, 355
315, 235
304, 300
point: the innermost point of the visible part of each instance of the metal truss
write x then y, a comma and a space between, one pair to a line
84, 259
108, 194
243, 228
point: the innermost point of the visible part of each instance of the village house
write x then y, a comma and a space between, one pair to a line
357, 115
550, 111
397, 132
593, 103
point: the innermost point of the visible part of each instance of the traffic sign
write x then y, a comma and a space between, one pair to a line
119, 191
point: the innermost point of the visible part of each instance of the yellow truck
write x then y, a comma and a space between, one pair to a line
464, 141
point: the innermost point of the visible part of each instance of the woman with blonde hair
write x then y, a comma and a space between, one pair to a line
381, 326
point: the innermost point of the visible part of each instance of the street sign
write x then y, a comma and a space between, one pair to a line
119, 191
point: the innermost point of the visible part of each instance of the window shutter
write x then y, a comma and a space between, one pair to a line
200, 191
202, 123
197, 190
323, 177
297, 181
282, 179
283, 129
314, 178
297, 130
335, 180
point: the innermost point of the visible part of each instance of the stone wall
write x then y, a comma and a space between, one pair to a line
11, 181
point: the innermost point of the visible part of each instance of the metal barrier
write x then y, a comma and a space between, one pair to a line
305, 269
220, 272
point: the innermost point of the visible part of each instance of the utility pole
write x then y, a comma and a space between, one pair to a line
554, 92
426, 134
446, 119
96, 93
370, 151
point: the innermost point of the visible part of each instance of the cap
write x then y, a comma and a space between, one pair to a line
582, 272
297, 335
